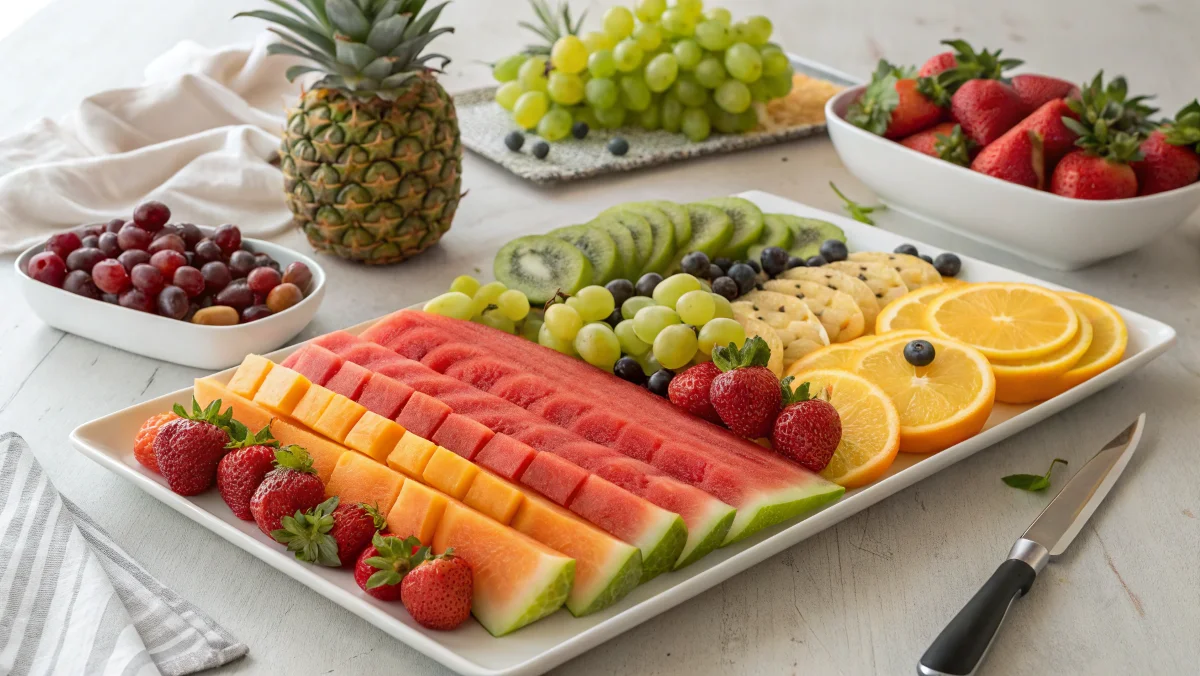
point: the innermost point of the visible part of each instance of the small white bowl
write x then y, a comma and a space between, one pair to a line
173, 340
1054, 231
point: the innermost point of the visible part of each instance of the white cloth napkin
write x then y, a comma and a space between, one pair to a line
74, 603
198, 135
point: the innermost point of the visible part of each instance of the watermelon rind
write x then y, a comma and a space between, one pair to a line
552, 596
665, 550
779, 506
621, 582
699, 546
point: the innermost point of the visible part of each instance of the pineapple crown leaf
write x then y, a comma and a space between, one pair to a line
294, 457
212, 415
244, 438
954, 147
873, 110
394, 558
754, 352
554, 23
1185, 130
306, 534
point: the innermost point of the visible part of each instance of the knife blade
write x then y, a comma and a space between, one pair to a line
962, 645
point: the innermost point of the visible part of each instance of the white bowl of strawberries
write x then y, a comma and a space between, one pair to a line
1032, 164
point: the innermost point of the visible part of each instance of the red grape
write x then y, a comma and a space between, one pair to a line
132, 237
134, 299
147, 278
168, 261
190, 234
110, 298
262, 280
241, 263
190, 280
283, 297
133, 257
48, 268
96, 229
110, 276
298, 273
63, 243
228, 237
169, 242
84, 259
216, 276
80, 283
172, 302
151, 216
114, 226
109, 245
168, 229
255, 312
90, 242
207, 251
237, 296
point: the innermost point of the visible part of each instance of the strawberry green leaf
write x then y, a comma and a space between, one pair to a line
1032, 482
1185, 130
294, 457
873, 110
791, 396
955, 147
306, 534
754, 352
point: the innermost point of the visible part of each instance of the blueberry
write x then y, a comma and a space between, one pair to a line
614, 317
628, 368
540, 150
660, 381
645, 285
723, 263
580, 130
514, 140
621, 290
906, 249
816, 261
714, 271
744, 275
948, 265
834, 250
774, 260
753, 265
725, 286
919, 352
926, 258
618, 146
795, 262
696, 264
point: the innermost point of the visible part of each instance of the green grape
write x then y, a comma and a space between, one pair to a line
594, 41
721, 331
661, 72
650, 119
565, 89
650, 365
508, 93
594, 303
710, 72
451, 304
563, 321
601, 93
774, 61
630, 343
507, 69
649, 10
555, 125
602, 64
676, 23
611, 118
634, 303
496, 320
705, 285
740, 32
532, 74
699, 357
672, 113
513, 304
778, 86
548, 339
724, 309
759, 30
720, 15
732, 96
628, 55
648, 36
465, 284
530, 108
689, 92
758, 90
691, 8
745, 121
713, 36
569, 55
695, 124
743, 62
675, 346
487, 295
650, 320
618, 22
696, 307
669, 290
598, 345
635, 95
531, 327
688, 54
588, 116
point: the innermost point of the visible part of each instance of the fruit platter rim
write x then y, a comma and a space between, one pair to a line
716, 145
550, 642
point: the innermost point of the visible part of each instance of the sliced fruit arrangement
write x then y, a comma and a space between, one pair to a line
172, 270
1092, 142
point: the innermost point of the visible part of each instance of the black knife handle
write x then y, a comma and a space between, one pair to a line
959, 649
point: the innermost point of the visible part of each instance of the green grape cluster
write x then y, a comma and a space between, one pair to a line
673, 67
492, 304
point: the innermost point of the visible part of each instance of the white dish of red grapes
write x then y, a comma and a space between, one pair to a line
192, 295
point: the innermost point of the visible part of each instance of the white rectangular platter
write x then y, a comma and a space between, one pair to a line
555, 639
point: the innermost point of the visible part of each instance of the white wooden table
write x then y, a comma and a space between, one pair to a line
864, 597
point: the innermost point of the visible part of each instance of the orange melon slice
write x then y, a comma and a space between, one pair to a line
357, 478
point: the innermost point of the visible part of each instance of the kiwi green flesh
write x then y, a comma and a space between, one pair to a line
711, 230
775, 232
747, 224
643, 236
808, 234
540, 266
599, 248
627, 260
679, 218
663, 236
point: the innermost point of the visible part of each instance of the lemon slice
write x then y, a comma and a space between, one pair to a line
1029, 380
1004, 320
939, 405
1109, 338
870, 427
908, 311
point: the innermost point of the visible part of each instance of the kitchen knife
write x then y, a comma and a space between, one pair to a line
960, 648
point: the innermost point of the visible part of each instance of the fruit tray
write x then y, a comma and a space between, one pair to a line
484, 124
557, 638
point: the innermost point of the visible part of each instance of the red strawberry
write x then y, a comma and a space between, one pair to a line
944, 141
293, 486
1170, 157
945, 73
986, 109
437, 593
143, 443
1057, 138
241, 471
891, 106
1036, 90
1088, 176
689, 391
937, 63
1016, 157
1111, 129
330, 534
746, 395
807, 430
354, 526
188, 449
381, 567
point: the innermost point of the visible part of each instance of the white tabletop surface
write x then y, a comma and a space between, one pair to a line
865, 597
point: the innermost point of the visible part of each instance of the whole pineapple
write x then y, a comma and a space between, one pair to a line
371, 156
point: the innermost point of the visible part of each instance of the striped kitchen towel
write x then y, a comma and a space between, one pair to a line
72, 602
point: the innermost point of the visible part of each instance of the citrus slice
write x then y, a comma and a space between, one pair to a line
836, 356
1004, 320
908, 311
940, 404
1029, 380
870, 427
1109, 338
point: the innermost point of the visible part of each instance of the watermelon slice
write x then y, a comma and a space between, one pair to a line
422, 415
384, 396
349, 380
461, 435
322, 366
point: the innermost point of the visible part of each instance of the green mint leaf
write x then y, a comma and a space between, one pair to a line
857, 211
1032, 482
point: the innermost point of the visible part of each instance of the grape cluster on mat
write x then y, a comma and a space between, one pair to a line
676, 68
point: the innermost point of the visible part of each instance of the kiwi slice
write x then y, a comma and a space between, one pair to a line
808, 233
747, 224
599, 248
662, 231
643, 236
711, 229
627, 257
679, 218
541, 265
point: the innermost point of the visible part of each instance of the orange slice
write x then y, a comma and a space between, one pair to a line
835, 356
1029, 380
870, 427
1109, 338
1004, 320
908, 311
939, 405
